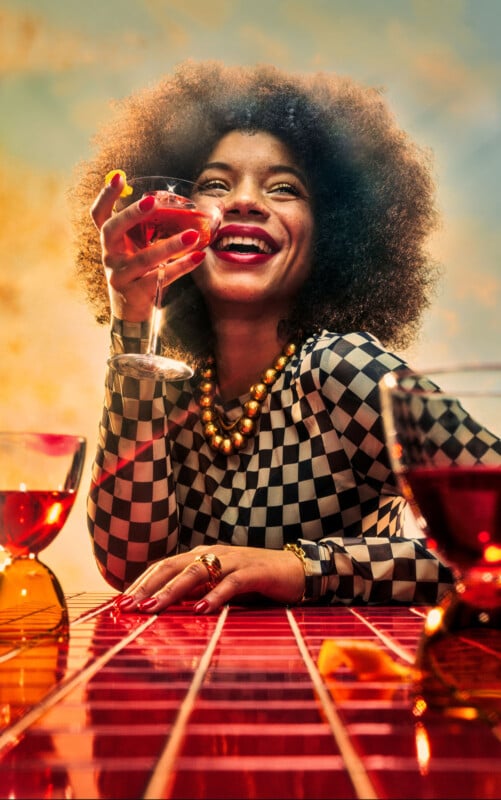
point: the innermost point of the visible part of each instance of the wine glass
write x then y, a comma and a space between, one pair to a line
39, 477
442, 430
180, 205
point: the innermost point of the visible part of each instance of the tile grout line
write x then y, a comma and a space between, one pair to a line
10, 737
354, 766
46, 638
11, 654
160, 783
87, 615
387, 640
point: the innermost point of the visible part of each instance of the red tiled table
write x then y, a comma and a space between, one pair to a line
228, 706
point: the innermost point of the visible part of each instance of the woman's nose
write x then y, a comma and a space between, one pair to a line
246, 199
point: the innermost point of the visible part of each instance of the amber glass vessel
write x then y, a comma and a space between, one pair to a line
39, 478
443, 431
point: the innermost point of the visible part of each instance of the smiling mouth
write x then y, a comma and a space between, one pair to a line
242, 244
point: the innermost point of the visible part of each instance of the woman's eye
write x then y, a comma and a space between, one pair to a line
211, 186
285, 188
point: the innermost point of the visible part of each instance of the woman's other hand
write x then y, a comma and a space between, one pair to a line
275, 574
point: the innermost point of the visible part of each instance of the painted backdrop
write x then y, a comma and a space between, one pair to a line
62, 61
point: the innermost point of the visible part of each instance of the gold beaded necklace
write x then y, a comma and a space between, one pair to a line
228, 438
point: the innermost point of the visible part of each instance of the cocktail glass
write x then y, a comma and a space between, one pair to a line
39, 477
180, 205
442, 429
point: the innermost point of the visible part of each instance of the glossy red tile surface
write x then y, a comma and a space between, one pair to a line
232, 706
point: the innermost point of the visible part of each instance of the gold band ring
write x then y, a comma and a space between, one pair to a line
213, 566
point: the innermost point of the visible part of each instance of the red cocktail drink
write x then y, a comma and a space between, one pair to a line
167, 220
30, 520
462, 509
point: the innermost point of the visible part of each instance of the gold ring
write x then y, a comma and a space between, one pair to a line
213, 566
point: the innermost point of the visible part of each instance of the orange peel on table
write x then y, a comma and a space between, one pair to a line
127, 190
365, 659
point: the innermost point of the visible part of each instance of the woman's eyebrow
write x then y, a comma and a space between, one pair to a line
274, 169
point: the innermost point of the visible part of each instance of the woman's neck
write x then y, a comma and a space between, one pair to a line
243, 351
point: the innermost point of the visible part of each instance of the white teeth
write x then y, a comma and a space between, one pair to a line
245, 241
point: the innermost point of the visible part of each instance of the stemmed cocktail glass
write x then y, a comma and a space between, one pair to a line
443, 435
39, 478
180, 205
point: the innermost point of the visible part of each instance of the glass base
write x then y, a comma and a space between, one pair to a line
32, 603
459, 654
159, 368
29, 673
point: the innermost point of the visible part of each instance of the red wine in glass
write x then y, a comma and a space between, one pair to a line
463, 506
167, 221
31, 520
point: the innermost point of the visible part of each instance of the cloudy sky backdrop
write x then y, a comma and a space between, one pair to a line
63, 61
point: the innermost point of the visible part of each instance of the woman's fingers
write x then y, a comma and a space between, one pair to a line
102, 208
132, 286
115, 228
121, 256
165, 583
275, 574
233, 585
191, 582
122, 274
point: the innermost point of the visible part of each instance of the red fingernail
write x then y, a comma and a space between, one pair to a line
115, 181
197, 257
124, 601
146, 605
201, 606
146, 203
190, 237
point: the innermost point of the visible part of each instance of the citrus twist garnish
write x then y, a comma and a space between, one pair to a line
127, 190
367, 660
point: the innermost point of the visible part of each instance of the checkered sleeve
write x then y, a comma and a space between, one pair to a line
374, 569
132, 510
378, 565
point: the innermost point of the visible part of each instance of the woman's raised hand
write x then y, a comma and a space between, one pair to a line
131, 273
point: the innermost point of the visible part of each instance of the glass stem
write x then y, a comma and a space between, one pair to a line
156, 314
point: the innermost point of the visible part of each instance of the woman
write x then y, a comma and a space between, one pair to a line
320, 258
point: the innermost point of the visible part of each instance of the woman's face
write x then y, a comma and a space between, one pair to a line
262, 252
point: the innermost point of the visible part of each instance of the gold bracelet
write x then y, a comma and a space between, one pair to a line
299, 553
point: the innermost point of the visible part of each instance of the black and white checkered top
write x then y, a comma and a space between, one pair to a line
316, 473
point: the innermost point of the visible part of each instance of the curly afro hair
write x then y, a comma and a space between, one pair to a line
373, 193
